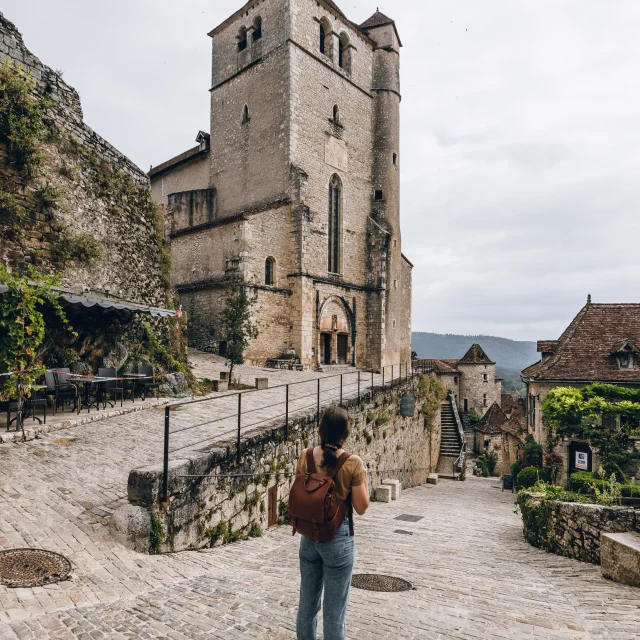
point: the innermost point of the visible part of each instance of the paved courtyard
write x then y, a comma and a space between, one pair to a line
474, 575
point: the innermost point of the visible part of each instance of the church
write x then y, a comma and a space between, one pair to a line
296, 189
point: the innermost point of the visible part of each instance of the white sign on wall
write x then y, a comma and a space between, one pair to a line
582, 460
336, 154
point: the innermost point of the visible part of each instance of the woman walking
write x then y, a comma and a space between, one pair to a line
328, 564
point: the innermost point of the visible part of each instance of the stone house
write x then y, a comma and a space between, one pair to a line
472, 379
497, 433
297, 189
600, 345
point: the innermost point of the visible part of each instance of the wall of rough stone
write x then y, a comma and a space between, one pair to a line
191, 174
504, 445
473, 387
102, 194
390, 446
573, 529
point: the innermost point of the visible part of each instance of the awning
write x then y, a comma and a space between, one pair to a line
89, 300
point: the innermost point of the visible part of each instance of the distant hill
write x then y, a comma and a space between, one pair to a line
510, 356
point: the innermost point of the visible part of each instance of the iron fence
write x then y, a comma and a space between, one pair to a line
231, 415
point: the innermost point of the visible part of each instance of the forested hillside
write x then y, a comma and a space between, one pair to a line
510, 356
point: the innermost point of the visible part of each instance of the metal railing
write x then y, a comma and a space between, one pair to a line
462, 458
290, 399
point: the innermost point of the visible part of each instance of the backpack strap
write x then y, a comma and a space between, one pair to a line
341, 460
311, 463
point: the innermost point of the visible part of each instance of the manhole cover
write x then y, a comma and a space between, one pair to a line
409, 518
374, 582
32, 567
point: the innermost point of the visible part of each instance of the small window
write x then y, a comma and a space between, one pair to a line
222, 348
485, 377
336, 114
242, 39
395, 284
344, 53
257, 29
270, 272
378, 195
394, 324
455, 380
245, 114
341, 54
322, 37
395, 158
625, 361
484, 400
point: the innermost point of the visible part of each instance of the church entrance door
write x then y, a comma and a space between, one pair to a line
325, 341
343, 348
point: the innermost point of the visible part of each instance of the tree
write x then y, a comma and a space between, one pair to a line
237, 328
22, 329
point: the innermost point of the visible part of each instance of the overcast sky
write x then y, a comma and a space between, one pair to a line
520, 137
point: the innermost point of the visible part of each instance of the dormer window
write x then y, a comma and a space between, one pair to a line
625, 360
623, 352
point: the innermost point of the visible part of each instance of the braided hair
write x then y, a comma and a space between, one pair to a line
334, 430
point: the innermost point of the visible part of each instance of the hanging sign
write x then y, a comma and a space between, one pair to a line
408, 405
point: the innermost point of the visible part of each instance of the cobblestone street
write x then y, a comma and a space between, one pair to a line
474, 575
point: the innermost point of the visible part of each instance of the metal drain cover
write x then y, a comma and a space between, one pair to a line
409, 518
32, 568
374, 582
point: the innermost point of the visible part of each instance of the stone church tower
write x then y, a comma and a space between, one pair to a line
297, 188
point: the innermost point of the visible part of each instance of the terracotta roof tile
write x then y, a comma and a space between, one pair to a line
509, 402
493, 421
584, 351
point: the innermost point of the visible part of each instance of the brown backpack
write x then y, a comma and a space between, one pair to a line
314, 510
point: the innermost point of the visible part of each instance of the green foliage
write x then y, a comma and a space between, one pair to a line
256, 531
76, 246
529, 476
22, 326
157, 534
535, 518
578, 413
283, 512
22, 126
237, 329
585, 483
431, 392
368, 437
474, 418
610, 492
162, 356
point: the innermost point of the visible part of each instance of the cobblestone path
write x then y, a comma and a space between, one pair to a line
475, 577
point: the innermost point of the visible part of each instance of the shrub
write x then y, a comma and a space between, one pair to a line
474, 418
581, 482
529, 476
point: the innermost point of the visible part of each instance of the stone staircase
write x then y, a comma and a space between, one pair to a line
450, 444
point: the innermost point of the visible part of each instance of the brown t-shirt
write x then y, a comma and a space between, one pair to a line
351, 475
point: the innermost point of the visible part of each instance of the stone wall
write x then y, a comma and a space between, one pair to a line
203, 511
572, 529
473, 387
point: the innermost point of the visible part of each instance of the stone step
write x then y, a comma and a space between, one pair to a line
620, 557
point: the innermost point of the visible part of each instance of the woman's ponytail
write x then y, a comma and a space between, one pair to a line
333, 430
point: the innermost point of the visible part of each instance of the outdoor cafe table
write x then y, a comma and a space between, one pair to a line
87, 381
29, 407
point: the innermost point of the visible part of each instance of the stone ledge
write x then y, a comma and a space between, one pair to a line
620, 557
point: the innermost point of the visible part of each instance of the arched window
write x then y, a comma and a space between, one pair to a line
270, 272
344, 52
336, 114
325, 43
241, 38
245, 114
257, 28
335, 210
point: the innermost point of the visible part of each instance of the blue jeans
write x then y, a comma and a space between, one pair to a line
328, 565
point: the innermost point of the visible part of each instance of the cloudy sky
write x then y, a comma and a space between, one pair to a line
520, 137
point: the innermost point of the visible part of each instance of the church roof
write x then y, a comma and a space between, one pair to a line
376, 20
475, 355
586, 350
379, 20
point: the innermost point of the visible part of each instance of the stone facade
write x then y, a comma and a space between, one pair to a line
99, 194
391, 447
293, 128
573, 529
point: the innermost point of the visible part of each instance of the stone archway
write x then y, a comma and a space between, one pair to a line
334, 335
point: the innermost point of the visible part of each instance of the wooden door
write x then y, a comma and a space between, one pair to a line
343, 348
273, 506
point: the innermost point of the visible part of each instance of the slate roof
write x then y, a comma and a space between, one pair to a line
509, 402
475, 355
443, 366
584, 351
496, 421
376, 20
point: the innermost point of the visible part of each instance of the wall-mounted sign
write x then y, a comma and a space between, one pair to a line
582, 460
336, 154
408, 405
